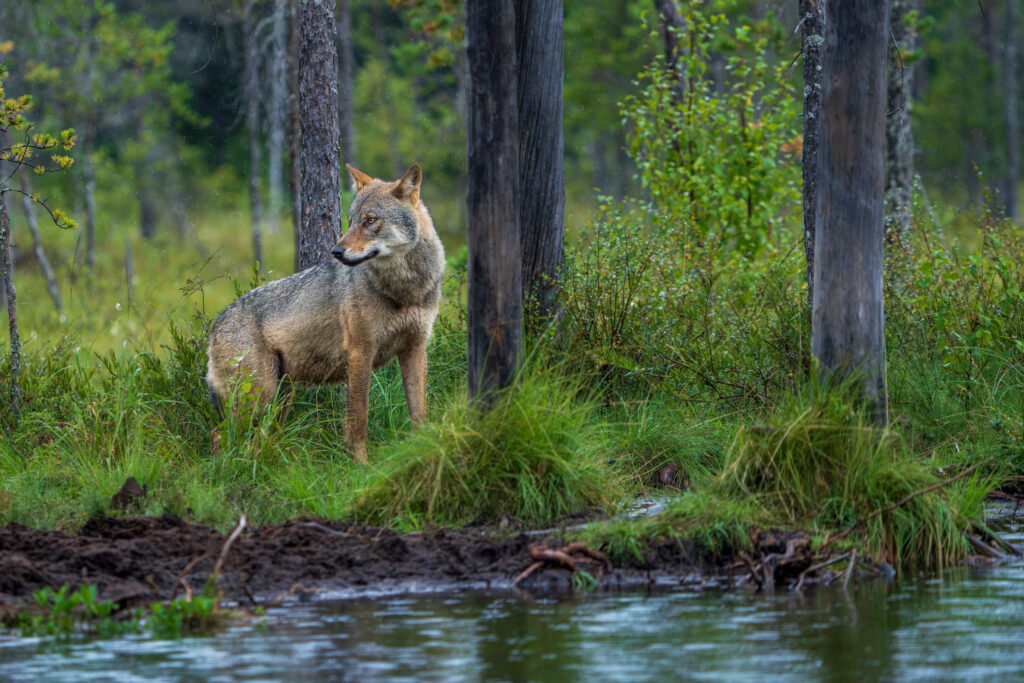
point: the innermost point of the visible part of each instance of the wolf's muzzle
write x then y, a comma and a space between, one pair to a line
339, 253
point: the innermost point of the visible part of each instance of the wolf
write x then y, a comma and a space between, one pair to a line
376, 300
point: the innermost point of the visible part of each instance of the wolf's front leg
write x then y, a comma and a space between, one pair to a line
359, 368
413, 362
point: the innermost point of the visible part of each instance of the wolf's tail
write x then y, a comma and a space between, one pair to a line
215, 400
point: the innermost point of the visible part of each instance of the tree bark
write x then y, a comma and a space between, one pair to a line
346, 66
294, 129
37, 245
278, 112
899, 138
321, 156
492, 200
7, 275
1010, 119
541, 165
252, 118
848, 319
812, 32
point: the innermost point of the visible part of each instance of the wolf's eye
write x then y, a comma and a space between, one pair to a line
370, 220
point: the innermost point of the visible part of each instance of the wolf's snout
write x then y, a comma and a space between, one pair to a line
342, 255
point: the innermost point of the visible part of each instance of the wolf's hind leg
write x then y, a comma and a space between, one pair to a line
413, 362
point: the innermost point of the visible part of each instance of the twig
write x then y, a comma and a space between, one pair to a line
900, 503
984, 548
227, 546
241, 581
816, 567
181, 575
849, 569
321, 527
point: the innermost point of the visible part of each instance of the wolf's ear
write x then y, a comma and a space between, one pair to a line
408, 186
358, 177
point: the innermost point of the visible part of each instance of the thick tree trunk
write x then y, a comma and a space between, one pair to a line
899, 138
278, 112
1010, 95
848, 318
37, 245
541, 167
321, 156
7, 275
492, 200
294, 130
346, 66
252, 119
812, 32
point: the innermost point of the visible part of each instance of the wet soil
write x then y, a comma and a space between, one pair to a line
143, 559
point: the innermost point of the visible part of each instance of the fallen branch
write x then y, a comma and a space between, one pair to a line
816, 567
900, 503
227, 546
849, 568
184, 572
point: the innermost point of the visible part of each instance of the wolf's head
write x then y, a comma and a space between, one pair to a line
382, 220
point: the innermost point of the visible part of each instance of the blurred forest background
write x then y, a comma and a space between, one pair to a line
173, 102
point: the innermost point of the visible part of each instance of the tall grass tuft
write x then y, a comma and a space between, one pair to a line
535, 456
817, 463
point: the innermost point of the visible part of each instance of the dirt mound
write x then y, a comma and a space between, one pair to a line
143, 559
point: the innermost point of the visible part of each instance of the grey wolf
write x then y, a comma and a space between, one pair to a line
376, 300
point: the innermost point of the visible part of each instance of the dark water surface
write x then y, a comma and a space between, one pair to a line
967, 624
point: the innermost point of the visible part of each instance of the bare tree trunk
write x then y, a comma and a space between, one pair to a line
89, 190
129, 271
848, 317
899, 138
492, 200
295, 130
7, 274
37, 245
672, 26
320, 154
1011, 122
252, 117
346, 65
812, 32
278, 112
541, 165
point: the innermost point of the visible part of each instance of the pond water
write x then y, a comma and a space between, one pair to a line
965, 624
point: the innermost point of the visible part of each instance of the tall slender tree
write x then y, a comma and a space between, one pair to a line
294, 129
812, 34
320, 153
492, 199
277, 112
541, 166
1011, 93
346, 66
253, 96
899, 137
848, 318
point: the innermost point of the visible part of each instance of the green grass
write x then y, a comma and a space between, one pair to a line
816, 463
536, 455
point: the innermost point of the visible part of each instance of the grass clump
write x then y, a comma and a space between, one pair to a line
817, 463
535, 456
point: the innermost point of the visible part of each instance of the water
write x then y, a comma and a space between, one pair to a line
966, 624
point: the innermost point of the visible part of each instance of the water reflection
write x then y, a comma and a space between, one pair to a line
967, 624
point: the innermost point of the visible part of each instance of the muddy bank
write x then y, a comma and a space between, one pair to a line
144, 559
